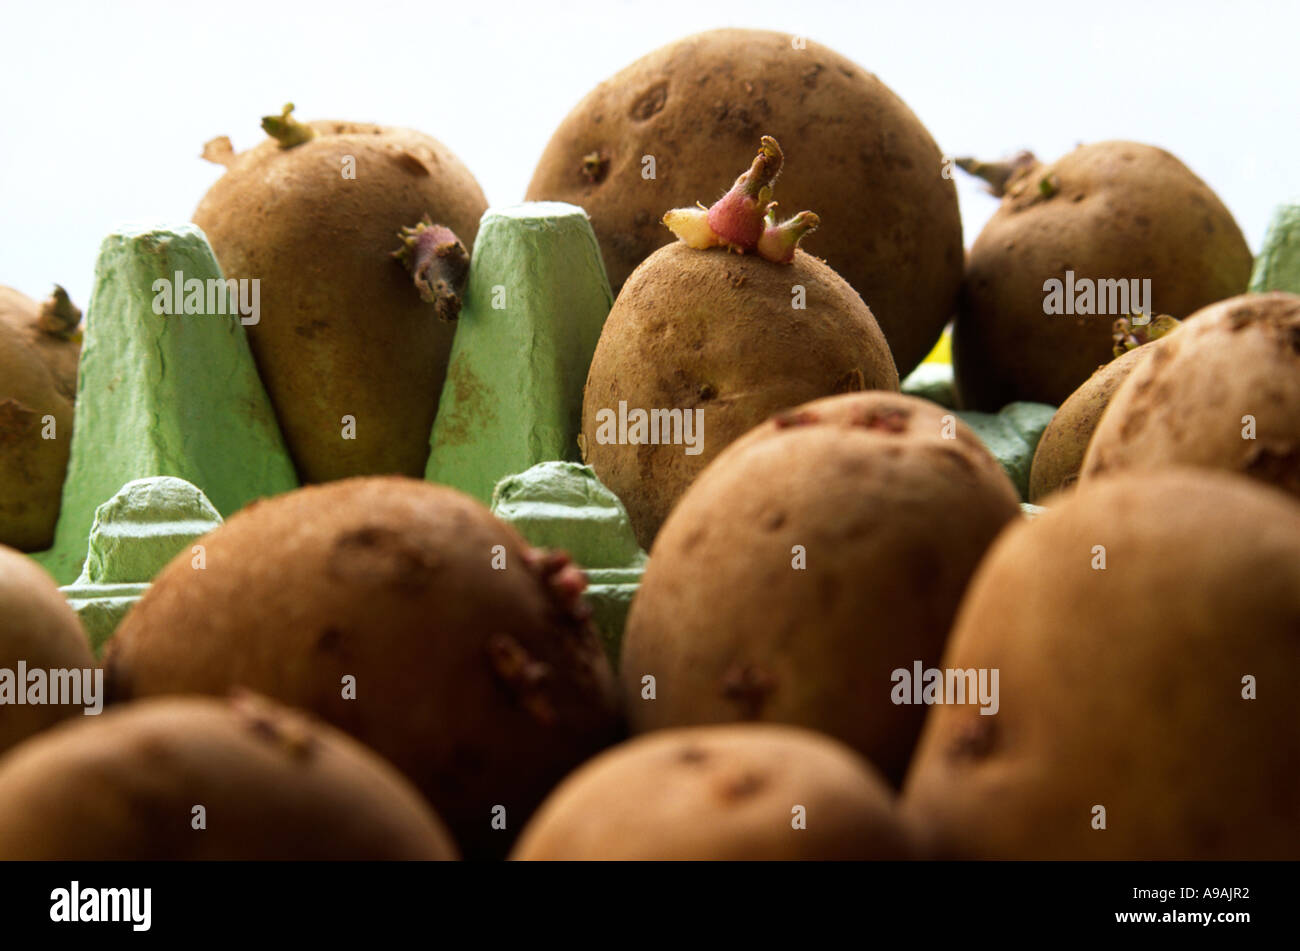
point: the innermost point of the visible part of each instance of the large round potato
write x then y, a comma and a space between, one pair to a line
1096, 219
815, 558
403, 613
1140, 627
675, 127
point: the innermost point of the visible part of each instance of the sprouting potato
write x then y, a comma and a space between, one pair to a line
315, 214
1108, 212
675, 127
1223, 392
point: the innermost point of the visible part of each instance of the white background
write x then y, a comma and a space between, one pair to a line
106, 105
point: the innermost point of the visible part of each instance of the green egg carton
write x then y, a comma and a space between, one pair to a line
163, 394
135, 534
563, 505
1278, 266
534, 306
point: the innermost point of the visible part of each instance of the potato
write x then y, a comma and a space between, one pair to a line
52, 328
1142, 627
406, 615
675, 127
37, 387
38, 628
813, 559
1059, 455
715, 335
342, 330
740, 792
1111, 211
1224, 392
192, 778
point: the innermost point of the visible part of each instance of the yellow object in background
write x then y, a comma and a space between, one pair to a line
942, 352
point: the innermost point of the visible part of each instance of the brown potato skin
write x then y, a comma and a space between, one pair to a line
31, 467
719, 793
1185, 405
343, 330
1059, 455
60, 353
716, 331
1123, 687
855, 154
274, 783
387, 580
1123, 210
39, 627
892, 524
